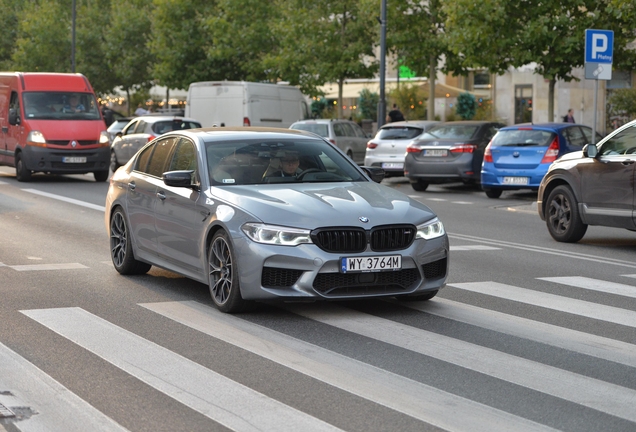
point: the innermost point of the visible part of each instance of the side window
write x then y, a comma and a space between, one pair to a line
574, 136
358, 131
144, 157
159, 157
14, 103
140, 128
588, 135
130, 128
348, 130
339, 130
490, 132
621, 143
185, 156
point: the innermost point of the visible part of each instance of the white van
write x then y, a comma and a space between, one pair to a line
240, 103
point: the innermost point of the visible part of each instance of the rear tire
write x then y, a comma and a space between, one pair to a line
419, 185
562, 216
223, 275
121, 251
493, 193
22, 174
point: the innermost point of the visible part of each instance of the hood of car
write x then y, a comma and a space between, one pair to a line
571, 156
319, 205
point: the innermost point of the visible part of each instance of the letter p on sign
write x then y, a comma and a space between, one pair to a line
599, 44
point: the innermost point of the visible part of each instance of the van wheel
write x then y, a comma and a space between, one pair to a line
22, 174
101, 176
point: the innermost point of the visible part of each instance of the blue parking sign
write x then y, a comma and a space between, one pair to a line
599, 46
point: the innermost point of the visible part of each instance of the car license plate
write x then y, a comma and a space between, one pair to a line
373, 263
515, 180
435, 152
74, 159
393, 165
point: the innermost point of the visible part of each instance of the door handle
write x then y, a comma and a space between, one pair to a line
627, 162
132, 185
161, 195
5, 129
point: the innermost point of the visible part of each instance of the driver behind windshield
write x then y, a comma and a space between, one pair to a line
289, 165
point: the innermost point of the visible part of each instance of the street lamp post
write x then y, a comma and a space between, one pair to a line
382, 103
73, 39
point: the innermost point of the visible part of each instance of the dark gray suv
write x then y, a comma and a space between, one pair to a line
594, 186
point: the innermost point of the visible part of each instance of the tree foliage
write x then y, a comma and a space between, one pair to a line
411, 99
623, 102
466, 106
323, 41
368, 104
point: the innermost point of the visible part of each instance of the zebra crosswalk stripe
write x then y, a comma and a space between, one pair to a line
221, 399
399, 393
551, 301
594, 285
54, 407
573, 340
590, 392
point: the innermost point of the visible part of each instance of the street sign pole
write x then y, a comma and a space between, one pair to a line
599, 45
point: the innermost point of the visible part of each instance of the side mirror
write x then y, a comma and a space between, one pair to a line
376, 173
179, 179
14, 117
590, 150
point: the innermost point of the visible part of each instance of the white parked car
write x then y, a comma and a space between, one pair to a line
388, 148
344, 134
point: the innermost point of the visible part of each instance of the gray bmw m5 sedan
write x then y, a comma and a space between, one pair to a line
265, 214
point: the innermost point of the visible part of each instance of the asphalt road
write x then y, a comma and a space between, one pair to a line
529, 334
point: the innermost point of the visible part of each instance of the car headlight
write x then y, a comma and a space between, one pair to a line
278, 235
36, 138
104, 141
430, 230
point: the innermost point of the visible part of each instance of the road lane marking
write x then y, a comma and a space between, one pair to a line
589, 392
560, 337
594, 285
548, 251
56, 407
473, 247
65, 199
37, 267
550, 301
399, 393
223, 400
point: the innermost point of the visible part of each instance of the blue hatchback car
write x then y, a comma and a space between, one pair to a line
519, 156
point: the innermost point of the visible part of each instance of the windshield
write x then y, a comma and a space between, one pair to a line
523, 138
61, 106
452, 131
398, 133
278, 161
317, 128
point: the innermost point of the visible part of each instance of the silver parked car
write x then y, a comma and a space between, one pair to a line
345, 134
388, 148
215, 206
140, 131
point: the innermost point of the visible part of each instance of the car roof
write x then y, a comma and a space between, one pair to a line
156, 118
410, 123
553, 126
323, 121
248, 132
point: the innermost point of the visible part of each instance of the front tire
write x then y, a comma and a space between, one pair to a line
101, 176
223, 275
121, 251
22, 174
419, 185
562, 216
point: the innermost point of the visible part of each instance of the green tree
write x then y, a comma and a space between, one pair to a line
623, 102
126, 46
43, 42
368, 104
412, 101
466, 106
11, 14
180, 40
416, 34
323, 41
499, 34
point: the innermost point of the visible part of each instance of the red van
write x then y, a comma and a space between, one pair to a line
51, 123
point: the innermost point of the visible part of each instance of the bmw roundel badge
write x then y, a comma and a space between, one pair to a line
363, 219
